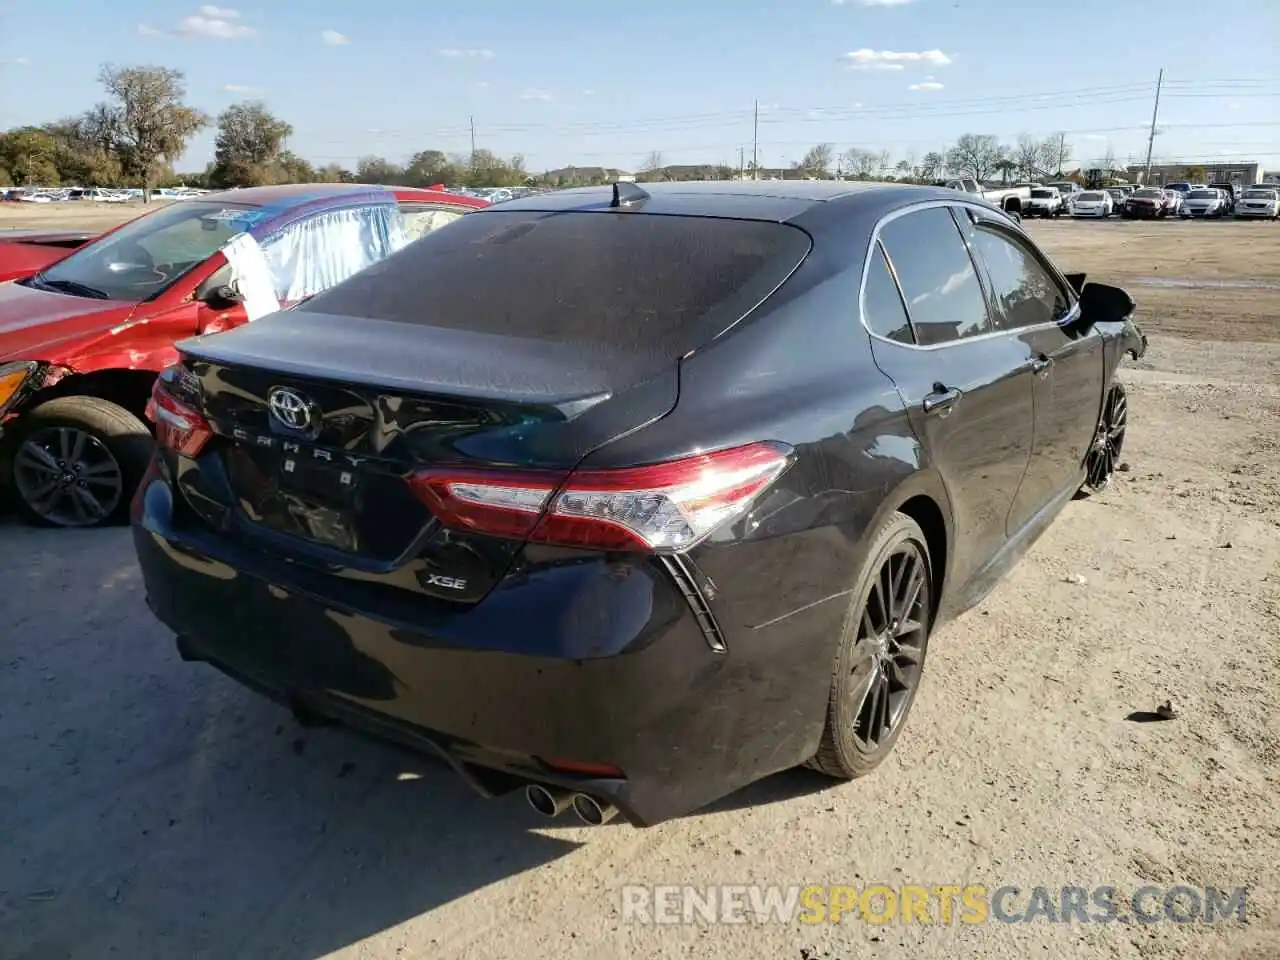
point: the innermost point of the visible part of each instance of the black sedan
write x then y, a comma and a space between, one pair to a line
672, 505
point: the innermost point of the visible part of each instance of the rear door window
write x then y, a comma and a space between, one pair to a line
633, 281
944, 298
882, 307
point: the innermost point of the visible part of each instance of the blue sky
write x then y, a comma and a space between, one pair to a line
607, 84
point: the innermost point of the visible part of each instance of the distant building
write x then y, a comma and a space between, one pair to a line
1214, 172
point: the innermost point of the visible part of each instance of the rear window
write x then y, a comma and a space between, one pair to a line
666, 283
1149, 194
1044, 194
1203, 195
1260, 194
1088, 195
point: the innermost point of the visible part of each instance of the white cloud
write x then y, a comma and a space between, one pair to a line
333, 38
456, 53
483, 84
866, 59
241, 88
927, 85
588, 93
214, 28
147, 30
873, 3
533, 93
1092, 136
16, 62
220, 13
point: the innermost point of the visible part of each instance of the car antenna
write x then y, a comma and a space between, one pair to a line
628, 195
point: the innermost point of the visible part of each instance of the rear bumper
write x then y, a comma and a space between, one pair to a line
1261, 214
624, 675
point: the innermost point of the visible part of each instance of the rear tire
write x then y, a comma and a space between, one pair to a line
882, 652
75, 462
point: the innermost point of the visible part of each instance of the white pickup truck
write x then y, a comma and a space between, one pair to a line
1009, 199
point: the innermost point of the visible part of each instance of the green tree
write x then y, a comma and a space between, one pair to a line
428, 167
249, 148
145, 118
29, 155
379, 170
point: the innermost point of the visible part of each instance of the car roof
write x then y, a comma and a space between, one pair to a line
776, 200
287, 196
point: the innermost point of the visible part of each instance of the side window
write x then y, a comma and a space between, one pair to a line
882, 307
944, 298
421, 218
1026, 293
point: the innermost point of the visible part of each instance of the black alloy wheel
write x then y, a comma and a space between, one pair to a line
1108, 441
882, 653
75, 462
68, 477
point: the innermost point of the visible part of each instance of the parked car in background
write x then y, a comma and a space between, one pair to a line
1172, 202
1147, 203
1180, 186
1119, 196
1012, 200
1205, 202
1069, 190
1259, 202
82, 338
1092, 203
1043, 202
1231, 190
608, 561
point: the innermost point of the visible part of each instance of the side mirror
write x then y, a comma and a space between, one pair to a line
1102, 303
222, 297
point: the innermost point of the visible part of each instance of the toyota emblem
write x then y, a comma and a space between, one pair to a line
289, 408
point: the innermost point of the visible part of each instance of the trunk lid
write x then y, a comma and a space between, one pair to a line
372, 402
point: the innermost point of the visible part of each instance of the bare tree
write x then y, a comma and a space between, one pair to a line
147, 118
932, 166
975, 155
653, 163
860, 163
1056, 153
817, 160
1109, 161
1028, 157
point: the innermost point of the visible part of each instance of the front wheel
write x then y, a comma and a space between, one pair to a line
1108, 441
882, 652
75, 462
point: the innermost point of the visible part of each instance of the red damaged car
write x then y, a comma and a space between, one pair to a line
83, 333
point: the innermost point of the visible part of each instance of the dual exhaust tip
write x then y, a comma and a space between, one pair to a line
553, 801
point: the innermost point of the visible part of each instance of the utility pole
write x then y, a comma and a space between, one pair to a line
742, 163
472, 118
755, 144
1151, 140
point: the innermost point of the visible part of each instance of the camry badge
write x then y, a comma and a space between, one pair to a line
289, 408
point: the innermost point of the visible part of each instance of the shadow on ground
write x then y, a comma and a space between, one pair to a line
152, 808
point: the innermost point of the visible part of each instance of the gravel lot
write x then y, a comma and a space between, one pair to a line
150, 808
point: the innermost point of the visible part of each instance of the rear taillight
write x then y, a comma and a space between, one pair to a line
661, 507
179, 426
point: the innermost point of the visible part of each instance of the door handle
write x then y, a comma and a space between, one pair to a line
1040, 366
941, 400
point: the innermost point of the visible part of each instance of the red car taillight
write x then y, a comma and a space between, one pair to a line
661, 507
179, 427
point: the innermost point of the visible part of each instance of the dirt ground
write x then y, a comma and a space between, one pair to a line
84, 215
151, 808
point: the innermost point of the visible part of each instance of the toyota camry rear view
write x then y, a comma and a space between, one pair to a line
629, 497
